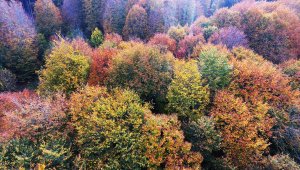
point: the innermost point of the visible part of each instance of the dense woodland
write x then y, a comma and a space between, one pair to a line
150, 84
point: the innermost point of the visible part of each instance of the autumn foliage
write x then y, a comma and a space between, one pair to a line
257, 80
240, 128
101, 63
66, 70
271, 28
144, 69
187, 94
136, 23
149, 84
230, 37
18, 50
164, 41
121, 129
48, 17
166, 146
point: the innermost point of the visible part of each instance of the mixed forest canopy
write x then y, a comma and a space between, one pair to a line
150, 84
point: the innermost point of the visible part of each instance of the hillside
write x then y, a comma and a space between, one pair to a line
150, 84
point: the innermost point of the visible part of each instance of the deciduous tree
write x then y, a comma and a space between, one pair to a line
108, 128
230, 37
164, 41
101, 63
66, 70
257, 80
114, 16
244, 141
18, 51
48, 17
214, 66
292, 69
187, 96
136, 23
165, 145
7, 80
143, 69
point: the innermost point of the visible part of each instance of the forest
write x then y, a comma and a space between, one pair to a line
150, 84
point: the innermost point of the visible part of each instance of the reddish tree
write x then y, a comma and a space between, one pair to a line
292, 69
273, 30
258, 80
244, 130
164, 41
187, 45
115, 38
26, 114
81, 46
101, 61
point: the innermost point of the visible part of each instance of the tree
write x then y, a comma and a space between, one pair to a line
81, 46
271, 28
143, 69
65, 70
7, 80
165, 145
187, 44
177, 33
72, 14
92, 10
110, 135
230, 37
169, 9
209, 7
136, 23
209, 31
114, 16
28, 115
48, 17
187, 96
33, 131
204, 137
292, 69
18, 52
225, 17
111, 41
163, 41
186, 11
281, 161
214, 66
244, 140
96, 38
155, 19
115, 130
58, 3
101, 63
257, 80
